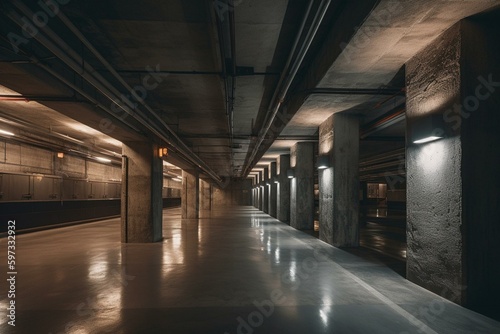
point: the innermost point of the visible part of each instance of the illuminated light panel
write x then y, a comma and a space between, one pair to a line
427, 140
7, 133
102, 159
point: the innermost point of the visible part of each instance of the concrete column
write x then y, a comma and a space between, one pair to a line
265, 190
339, 183
190, 194
255, 191
273, 191
142, 183
205, 196
453, 183
283, 206
302, 186
259, 191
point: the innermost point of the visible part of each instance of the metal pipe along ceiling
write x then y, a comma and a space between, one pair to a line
289, 74
76, 63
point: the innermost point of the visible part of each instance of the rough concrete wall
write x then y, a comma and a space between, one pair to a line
339, 184
434, 175
141, 194
302, 186
480, 144
283, 189
169, 183
20, 158
102, 172
237, 193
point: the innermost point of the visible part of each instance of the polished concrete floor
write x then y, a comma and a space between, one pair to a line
234, 271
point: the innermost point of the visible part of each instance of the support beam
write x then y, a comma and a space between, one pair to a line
205, 195
283, 189
265, 191
190, 194
273, 191
339, 182
142, 182
453, 183
260, 191
302, 186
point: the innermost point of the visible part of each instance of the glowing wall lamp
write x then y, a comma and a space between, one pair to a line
162, 152
427, 129
290, 173
323, 161
60, 155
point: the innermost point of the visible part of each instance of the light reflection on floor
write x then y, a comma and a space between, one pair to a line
213, 275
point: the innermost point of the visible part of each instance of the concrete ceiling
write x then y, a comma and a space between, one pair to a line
360, 45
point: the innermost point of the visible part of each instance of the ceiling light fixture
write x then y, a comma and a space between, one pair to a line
103, 159
7, 133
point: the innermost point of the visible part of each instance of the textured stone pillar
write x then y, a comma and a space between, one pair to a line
339, 183
256, 191
265, 190
254, 198
452, 184
283, 207
205, 195
273, 191
190, 194
142, 182
259, 191
302, 186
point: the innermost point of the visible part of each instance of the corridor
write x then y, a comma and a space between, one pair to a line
232, 271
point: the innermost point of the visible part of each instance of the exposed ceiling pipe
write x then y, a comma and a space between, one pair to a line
226, 37
34, 128
396, 154
29, 98
94, 78
289, 75
383, 122
184, 149
33, 134
356, 91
